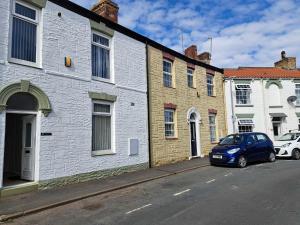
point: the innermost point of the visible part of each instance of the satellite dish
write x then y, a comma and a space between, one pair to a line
292, 99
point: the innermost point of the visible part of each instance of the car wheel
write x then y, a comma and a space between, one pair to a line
242, 162
272, 157
296, 154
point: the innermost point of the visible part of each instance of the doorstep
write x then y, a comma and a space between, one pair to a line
18, 189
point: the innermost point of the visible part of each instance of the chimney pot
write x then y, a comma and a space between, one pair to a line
107, 9
283, 55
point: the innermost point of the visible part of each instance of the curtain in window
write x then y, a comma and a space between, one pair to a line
100, 62
101, 133
23, 40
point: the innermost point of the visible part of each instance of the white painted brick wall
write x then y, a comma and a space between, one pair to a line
68, 151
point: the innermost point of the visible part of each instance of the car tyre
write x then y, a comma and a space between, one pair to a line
242, 162
296, 154
272, 157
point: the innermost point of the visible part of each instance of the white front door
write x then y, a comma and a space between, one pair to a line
28, 148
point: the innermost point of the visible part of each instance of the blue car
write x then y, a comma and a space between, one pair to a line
240, 149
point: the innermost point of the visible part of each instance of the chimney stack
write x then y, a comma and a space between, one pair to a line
191, 52
288, 63
107, 9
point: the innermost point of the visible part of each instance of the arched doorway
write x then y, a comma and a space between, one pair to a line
194, 120
20, 136
21, 102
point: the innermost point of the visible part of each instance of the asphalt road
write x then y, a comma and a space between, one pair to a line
261, 194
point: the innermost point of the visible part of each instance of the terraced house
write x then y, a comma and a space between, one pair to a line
186, 105
73, 94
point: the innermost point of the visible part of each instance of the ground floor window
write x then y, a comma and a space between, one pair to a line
212, 127
169, 123
245, 125
101, 133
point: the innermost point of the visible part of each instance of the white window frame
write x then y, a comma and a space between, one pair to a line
111, 114
190, 73
110, 80
211, 85
171, 123
168, 73
244, 87
297, 88
245, 123
212, 125
38, 23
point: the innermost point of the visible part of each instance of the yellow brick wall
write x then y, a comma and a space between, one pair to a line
163, 150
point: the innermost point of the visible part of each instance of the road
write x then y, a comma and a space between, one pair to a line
260, 194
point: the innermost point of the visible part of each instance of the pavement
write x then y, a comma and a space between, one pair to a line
261, 194
25, 204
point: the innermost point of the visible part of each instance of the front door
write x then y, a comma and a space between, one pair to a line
193, 139
276, 130
28, 147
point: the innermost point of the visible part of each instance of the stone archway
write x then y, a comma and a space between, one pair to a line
194, 120
25, 87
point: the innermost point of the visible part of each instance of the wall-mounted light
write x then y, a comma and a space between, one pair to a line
68, 61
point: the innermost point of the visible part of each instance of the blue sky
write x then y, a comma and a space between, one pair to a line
244, 32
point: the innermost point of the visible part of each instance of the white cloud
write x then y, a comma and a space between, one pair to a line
245, 32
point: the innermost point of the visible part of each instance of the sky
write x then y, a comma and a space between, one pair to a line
243, 32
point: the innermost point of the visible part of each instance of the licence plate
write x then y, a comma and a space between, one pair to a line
217, 157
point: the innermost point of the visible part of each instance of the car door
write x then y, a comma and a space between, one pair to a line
251, 148
263, 147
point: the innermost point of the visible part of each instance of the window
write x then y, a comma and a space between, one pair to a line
190, 78
251, 139
212, 127
210, 85
167, 70
101, 134
169, 123
245, 125
297, 92
243, 94
100, 56
261, 137
24, 30
298, 124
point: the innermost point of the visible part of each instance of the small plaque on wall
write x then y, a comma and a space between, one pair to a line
46, 134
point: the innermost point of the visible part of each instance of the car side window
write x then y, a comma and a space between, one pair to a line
251, 139
261, 138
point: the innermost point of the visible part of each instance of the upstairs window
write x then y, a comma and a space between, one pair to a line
297, 93
167, 73
100, 56
190, 77
24, 30
243, 94
210, 84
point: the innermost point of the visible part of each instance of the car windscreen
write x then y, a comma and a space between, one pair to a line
232, 140
289, 137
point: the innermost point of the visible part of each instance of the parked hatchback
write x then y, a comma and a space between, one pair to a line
288, 145
240, 149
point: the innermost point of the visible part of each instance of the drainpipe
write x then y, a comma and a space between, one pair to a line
148, 106
264, 106
232, 107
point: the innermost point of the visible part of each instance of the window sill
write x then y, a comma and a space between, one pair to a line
275, 106
103, 152
192, 88
214, 142
169, 87
171, 138
244, 105
214, 96
24, 63
102, 80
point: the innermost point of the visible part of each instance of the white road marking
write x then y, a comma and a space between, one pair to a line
137, 209
234, 187
246, 168
210, 181
259, 165
228, 174
179, 193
